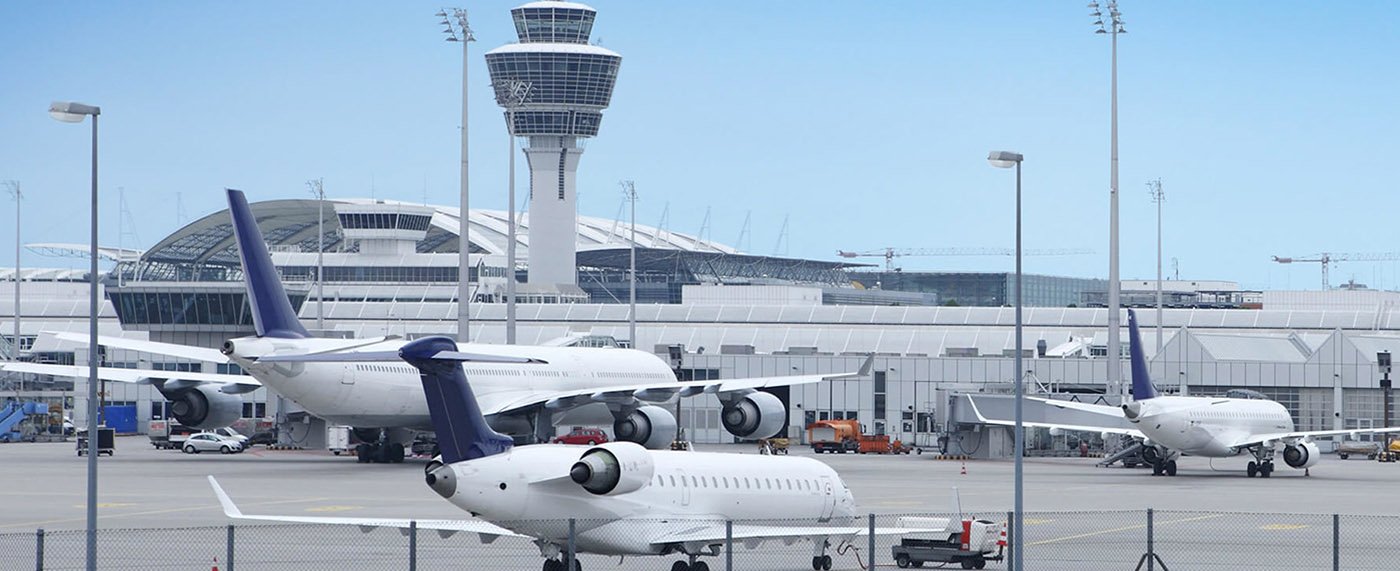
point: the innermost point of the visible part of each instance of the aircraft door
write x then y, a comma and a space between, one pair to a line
828, 498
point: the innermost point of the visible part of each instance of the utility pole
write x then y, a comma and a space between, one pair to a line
1155, 187
318, 189
462, 32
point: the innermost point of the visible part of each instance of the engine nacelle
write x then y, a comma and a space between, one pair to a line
1301, 455
203, 406
652, 427
754, 415
613, 469
1151, 454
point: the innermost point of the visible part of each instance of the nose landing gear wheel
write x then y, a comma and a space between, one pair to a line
680, 566
821, 563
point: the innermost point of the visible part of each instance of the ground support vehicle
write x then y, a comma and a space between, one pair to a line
1368, 449
968, 543
106, 441
1390, 453
835, 436
773, 445
338, 439
167, 434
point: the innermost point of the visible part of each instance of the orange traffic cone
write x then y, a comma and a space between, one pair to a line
216, 565
963, 472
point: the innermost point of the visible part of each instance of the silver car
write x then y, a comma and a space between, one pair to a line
210, 442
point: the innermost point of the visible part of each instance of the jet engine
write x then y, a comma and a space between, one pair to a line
754, 415
203, 406
652, 427
1301, 455
613, 469
1151, 454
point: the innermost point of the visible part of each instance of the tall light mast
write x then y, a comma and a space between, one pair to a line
1112, 28
458, 30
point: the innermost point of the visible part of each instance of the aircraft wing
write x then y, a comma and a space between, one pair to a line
487, 532
1103, 409
1108, 427
751, 536
652, 392
154, 347
1291, 437
232, 384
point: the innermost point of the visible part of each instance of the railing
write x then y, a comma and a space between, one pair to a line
1099, 540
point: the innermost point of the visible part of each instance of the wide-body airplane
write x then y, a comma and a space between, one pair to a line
1213, 427
383, 400
624, 499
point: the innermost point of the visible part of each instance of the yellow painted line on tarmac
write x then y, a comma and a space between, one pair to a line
333, 508
1035, 521
1124, 528
1283, 526
151, 512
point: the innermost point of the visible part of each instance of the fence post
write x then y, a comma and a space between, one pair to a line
1336, 542
871, 543
39, 550
1151, 552
228, 557
413, 545
570, 563
728, 545
1011, 532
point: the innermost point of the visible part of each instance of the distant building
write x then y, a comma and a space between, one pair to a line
984, 289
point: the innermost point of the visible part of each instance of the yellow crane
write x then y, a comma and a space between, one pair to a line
1326, 259
889, 254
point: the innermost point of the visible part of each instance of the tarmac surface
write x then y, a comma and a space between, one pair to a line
1079, 515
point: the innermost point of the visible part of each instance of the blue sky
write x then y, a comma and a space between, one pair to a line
864, 124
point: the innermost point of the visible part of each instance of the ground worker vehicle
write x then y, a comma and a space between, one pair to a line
773, 445
836, 436
1389, 453
970, 543
1359, 448
167, 434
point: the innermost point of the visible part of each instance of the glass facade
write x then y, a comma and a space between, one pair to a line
385, 220
985, 289
186, 308
558, 78
554, 24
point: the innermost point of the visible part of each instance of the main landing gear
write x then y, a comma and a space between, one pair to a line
821, 563
559, 565
1263, 463
1161, 468
693, 565
379, 450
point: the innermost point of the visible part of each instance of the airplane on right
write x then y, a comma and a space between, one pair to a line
1211, 427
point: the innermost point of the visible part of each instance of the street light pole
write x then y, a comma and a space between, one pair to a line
511, 95
318, 190
1159, 197
1004, 159
1114, 27
629, 190
462, 32
74, 113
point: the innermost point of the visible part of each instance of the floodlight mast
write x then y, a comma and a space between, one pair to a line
459, 30
1112, 28
511, 94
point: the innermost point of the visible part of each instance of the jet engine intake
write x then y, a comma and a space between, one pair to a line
1151, 454
754, 415
652, 427
614, 468
203, 406
1301, 455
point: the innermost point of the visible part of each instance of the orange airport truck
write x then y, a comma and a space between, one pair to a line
835, 436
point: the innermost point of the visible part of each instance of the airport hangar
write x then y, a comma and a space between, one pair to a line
390, 268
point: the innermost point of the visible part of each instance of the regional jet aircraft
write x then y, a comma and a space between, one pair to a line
1213, 427
624, 499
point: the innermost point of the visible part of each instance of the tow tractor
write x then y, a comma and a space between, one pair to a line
971, 543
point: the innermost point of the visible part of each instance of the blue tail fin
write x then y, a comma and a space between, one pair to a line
273, 315
461, 429
1142, 382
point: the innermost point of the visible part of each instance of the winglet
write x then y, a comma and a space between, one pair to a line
273, 315
461, 429
867, 365
230, 509
1142, 381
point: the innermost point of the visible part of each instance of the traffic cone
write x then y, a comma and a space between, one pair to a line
963, 472
216, 565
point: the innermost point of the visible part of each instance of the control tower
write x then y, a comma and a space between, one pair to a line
554, 87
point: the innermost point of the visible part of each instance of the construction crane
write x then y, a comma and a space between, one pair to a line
1326, 259
889, 254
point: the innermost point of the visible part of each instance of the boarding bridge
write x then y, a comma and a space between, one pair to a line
969, 432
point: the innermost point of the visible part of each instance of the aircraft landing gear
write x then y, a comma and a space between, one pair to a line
1167, 468
1263, 463
694, 564
558, 565
821, 563
381, 451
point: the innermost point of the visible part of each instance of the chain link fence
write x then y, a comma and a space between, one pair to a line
1078, 541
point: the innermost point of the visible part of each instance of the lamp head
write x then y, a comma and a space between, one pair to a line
70, 112
1004, 159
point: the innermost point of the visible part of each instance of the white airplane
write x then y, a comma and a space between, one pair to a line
382, 399
625, 499
1212, 427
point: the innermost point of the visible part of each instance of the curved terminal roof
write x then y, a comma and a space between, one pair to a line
291, 225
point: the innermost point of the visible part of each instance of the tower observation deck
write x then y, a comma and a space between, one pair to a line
553, 86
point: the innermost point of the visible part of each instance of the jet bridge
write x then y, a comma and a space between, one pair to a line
969, 432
